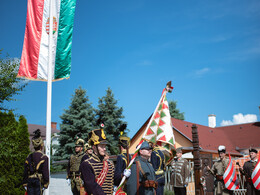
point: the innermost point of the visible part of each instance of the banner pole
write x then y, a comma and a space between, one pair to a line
49, 92
139, 145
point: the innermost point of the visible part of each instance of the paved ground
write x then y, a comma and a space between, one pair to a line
58, 185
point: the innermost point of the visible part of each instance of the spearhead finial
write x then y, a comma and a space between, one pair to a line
169, 87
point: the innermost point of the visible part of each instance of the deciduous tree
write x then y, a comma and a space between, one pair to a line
10, 85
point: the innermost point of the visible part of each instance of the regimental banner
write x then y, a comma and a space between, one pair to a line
160, 129
230, 177
35, 54
256, 175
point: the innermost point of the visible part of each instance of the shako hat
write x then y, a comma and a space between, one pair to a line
79, 143
87, 147
253, 150
124, 141
37, 139
97, 136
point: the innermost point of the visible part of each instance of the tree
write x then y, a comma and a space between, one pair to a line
175, 113
14, 148
78, 120
10, 85
23, 137
111, 115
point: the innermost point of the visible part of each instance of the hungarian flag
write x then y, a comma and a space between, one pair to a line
35, 54
159, 130
230, 177
256, 175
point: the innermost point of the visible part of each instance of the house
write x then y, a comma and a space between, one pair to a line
54, 131
237, 138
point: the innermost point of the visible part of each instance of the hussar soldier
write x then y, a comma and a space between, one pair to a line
97, 172
142, 179
218, 171
88, 149
123, 158
180, 173
247, 171
73, 173
158, 162
36, 168
88, 152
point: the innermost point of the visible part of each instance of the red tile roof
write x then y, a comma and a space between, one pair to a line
233, 137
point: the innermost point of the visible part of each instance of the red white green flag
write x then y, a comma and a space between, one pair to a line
159, 129
35, 54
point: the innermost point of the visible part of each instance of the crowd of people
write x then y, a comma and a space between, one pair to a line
90, 171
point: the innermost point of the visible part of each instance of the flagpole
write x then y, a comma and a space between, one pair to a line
139, 145
49, 92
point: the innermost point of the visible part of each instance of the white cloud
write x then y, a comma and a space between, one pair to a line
239, 119
218, 38
202, 71
144, 63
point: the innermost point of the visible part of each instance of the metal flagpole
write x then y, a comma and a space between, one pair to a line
49, 92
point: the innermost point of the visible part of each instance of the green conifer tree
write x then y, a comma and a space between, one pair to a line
111, 115
175, 113
78, 120
13, 136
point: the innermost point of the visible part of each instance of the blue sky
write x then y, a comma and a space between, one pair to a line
208, 49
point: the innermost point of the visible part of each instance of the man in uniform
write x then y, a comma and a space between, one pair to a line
218, 170
88, 152
73, 173
36, 168
180, 173
158, 162
247, 171
122, 161
88, 149
97, 173
142, 179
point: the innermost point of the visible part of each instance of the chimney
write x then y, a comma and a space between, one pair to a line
53, 125
212, 120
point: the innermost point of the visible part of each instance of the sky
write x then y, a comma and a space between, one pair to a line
210, 50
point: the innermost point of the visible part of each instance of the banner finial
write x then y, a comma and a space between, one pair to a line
169, 87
